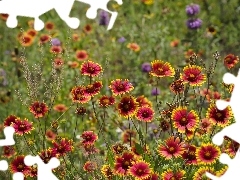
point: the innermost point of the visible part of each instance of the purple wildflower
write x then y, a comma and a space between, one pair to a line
121, 40
194, 23
3, 78
146, 67
155, 91
192, 9
56, 42
104, 18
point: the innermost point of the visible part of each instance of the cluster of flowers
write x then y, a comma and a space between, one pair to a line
193, 22
60, 146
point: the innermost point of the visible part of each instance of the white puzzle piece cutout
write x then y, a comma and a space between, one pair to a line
44, 170
232, 172
36, 8
9, 141
231, 131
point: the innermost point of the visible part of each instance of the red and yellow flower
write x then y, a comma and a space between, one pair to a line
184, 120
89, 137
18, 165
120, 86
172, 148
207, 153
134, 47
189, 154
22, 126
81, 55
219, 117
127, 106
140, 170
170, 174
162, 69
193, 75
231, 60
145, 114
91, 68
200, 174
39, 109
123, 163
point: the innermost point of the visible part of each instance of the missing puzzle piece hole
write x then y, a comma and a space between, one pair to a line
38, 24
218, 139
229, 78
3, 165
73, 22
221, 104
18, 176
12, 21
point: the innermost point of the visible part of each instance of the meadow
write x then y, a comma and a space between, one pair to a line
133, 103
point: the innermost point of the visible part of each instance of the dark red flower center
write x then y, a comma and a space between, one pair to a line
184, 121
172, 149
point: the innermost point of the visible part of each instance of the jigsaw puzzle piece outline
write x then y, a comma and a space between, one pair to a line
63, 10
95, 5
44, 170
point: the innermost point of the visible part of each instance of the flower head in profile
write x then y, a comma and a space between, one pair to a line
207, 153
172, 148
162, 69
62, 147
231, 60
9, 120
79, 95
106, 101
189, 154
193, 75
90, 166
93, 89
219, 117
60, 107
140, 170
169, 174
47, 154
120, 86
184, 120
143, 101
39, 109
177, 86
127, 106
22, 126
91, 68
